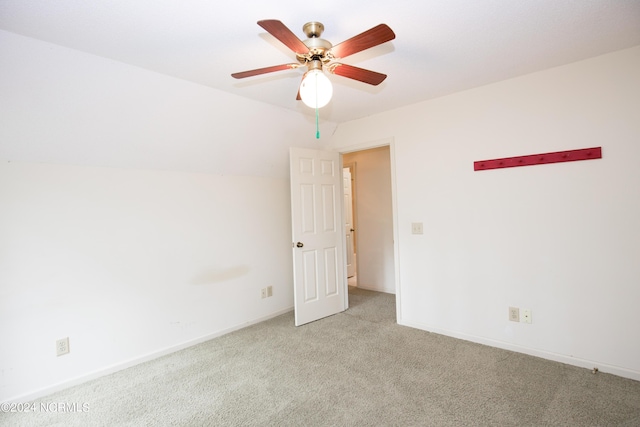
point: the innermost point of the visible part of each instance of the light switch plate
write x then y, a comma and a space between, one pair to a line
416, 228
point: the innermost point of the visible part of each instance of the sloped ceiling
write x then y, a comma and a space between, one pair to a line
441, 47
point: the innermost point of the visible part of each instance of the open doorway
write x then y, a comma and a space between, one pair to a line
348, 189
318, 244
371, 242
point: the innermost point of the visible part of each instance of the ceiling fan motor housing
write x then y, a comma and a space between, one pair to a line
318, 47
313, 29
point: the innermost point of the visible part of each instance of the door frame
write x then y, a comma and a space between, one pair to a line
352, 168
390, 142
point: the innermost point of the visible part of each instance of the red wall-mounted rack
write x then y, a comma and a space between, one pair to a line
539, 159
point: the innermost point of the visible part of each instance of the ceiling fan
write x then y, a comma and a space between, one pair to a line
318, 54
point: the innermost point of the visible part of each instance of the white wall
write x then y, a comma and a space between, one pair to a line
562, 239
374, 218
59, 105
126, 255
131, 263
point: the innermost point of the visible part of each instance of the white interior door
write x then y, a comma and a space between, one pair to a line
348, 222
318, 255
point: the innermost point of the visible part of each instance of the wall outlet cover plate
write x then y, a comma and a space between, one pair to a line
514, 314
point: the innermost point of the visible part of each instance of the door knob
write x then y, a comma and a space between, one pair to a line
299, 244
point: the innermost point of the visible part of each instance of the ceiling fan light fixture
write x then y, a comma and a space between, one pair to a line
316, 89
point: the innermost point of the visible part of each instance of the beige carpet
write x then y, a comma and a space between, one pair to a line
357, 368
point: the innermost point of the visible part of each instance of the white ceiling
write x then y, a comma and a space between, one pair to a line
441, 46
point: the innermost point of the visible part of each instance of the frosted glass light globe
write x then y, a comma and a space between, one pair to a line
316, 89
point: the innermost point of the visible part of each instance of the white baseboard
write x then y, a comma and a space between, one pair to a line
373, 288
27, 397
569, 360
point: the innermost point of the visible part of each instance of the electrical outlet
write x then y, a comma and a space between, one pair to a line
416, 228
525, 315
514, 314
266, 292
62, 346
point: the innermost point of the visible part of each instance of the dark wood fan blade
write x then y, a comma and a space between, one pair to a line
370, 38
258, 71
280, 31
355, 73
